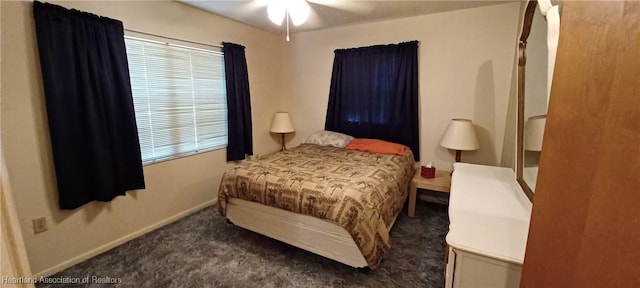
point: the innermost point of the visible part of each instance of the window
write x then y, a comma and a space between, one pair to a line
179, 95
374, 94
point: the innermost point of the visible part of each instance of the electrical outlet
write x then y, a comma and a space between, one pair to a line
40, 225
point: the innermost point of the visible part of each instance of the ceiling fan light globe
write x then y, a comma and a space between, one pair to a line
276, 12
299, 11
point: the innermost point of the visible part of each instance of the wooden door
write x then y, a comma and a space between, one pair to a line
585, 226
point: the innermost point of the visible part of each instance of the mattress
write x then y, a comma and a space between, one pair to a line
359, 191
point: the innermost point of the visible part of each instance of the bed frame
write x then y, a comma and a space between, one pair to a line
309, 233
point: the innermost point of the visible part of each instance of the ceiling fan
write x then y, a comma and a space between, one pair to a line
298, 11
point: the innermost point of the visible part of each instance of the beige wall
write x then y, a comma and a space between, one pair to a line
508, 158
173, 187
466, 62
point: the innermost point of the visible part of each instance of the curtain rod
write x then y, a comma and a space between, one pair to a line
171, 38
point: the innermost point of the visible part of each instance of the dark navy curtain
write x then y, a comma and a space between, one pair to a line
240, 139
374, 94
89, 105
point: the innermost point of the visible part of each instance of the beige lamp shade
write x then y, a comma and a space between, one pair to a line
282, 123
533, 132
460, 135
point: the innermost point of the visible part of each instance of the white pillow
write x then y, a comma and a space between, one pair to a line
329, 138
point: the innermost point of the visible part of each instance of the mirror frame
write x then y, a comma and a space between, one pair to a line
522, 61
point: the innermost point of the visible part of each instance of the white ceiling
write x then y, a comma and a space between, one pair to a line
333, 13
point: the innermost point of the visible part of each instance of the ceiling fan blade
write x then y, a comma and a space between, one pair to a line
276, 13
249, 6
314, 21
229, 7
299, 12
358, 7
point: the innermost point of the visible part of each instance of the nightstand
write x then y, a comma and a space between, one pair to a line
442, 183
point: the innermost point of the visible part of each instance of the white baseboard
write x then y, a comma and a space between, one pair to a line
122, 240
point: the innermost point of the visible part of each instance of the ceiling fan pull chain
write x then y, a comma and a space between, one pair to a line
287, 12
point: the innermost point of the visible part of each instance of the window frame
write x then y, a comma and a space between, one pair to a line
163, 41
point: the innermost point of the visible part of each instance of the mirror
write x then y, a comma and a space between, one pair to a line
536, 58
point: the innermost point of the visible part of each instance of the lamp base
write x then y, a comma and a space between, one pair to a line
458, 155
283, 148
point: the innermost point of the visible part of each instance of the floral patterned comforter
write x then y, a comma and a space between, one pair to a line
360, 191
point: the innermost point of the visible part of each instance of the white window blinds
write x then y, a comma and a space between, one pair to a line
179, 95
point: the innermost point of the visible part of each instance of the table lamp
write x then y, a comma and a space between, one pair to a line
282, 124
460, 135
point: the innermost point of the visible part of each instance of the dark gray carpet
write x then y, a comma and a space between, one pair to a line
202, 250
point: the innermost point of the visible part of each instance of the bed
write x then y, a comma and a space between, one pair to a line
335, 202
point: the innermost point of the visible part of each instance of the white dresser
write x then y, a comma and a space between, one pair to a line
489, 221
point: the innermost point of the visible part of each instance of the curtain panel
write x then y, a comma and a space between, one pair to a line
89, 105
374, 94
240, 141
